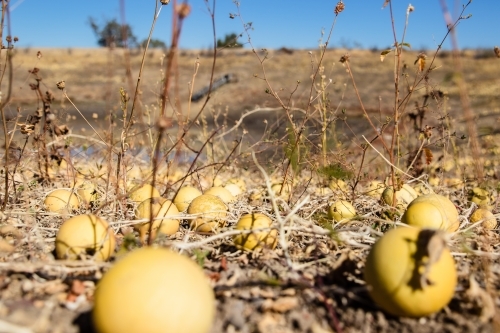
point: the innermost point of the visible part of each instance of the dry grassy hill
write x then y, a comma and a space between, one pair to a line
94, 76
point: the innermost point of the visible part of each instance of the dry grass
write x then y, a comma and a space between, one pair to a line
94, 76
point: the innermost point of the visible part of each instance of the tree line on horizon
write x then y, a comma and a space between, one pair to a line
114, 34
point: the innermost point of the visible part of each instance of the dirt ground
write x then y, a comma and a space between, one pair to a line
323, 291
321, 287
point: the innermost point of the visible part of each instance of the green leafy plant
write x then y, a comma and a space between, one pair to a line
230, 40
201, 255
335, 171
112, 33
154, 44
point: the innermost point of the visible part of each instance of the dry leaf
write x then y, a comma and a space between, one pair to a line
421, 62
484, 300
61, 130
430, 246
428, 156
427, 132
77, 287
223, 264
183, 10
384, 54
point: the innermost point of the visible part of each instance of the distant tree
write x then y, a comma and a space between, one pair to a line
154, 43
113, 34
230, 40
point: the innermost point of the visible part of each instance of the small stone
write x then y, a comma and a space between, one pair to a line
285, 304
27, 286
266, 305
244, 294
316, 328
5, 246
271, 323
234, 313
267, 293
288, 292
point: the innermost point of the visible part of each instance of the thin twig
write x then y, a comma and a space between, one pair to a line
81, 114
281, 221
387, 161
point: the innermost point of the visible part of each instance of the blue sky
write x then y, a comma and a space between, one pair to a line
277, 23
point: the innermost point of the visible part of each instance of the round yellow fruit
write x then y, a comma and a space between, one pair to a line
240, 183
137, 174
143, 192
257, 239
480, 197
282, 191
176, 176
322, 191
154, 290
482, 214
403, 197
375, 188
161, 210
256, 194
234, 189
62, 199
134, 174
423, 189
211, 213
434, 181
184, 197
455, 183
432, 211
60, 169
337, 185
217, 181
222, 193
85, 235
87, 191
341, 211
404, 279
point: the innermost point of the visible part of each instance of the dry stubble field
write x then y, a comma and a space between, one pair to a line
324, 290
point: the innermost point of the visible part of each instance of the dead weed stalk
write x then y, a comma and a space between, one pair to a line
4, 102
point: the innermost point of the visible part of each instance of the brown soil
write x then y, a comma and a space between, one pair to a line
323, 290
